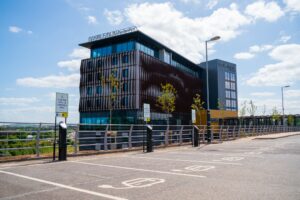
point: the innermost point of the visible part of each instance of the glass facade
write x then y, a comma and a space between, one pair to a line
230, 93
116, 48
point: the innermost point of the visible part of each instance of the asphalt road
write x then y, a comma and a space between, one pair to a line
241, 169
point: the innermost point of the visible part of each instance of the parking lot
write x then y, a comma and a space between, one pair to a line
241, 169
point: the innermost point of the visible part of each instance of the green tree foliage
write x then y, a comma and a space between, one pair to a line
197, 103
166, 101
290, 120
275, 114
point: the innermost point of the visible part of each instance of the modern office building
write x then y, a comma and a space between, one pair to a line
125, 70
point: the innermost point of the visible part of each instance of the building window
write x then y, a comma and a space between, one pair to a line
227, 76
98, 103
100, 63
90, 77
125, 87
125, 59
114, 61
89, 103
233, 86
232, 77
228, 104
99, 90
125, 73
227, 84
124, 101
233, 95
89, 65
114, 89
227, 94
233, 103
89, 91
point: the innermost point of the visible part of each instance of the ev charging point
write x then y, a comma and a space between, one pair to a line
149, 139
62, 149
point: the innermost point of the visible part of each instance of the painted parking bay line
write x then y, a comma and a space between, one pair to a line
183, 160
64, 186
139, 169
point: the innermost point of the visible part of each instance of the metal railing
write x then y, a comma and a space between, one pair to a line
36, 139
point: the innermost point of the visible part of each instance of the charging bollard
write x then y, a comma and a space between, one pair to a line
196, 136
149, 139
62, 149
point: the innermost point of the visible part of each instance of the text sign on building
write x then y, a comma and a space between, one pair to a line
112, 34
61, 105
193, 116
146, 112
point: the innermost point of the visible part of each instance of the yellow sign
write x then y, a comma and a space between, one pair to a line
64, 114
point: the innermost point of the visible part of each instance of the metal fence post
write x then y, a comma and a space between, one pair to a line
220, 133
129, 137
37, 146
105, 138
180, 135
167, 136
76, 139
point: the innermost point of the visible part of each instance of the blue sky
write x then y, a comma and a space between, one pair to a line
40, 53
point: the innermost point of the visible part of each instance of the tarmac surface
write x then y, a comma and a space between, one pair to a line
240, 169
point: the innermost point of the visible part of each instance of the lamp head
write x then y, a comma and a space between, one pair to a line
215, 38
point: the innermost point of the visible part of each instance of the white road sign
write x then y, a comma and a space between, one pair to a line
61, 105
146, 112
193, 116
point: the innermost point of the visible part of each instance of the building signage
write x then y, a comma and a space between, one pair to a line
146, 112
112, 34
193, 116
61, 105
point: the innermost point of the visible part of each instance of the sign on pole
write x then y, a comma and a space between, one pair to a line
193, 116
61, 105
146, 112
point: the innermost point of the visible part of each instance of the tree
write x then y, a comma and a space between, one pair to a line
166, 101
197, 103
221, 107
275, 114
242, 110
264, 110
290, 120
252, 108
113, 85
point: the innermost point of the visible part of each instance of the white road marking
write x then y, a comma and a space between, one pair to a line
139, 169
64, 186
233, 158
207, 154
136, 183
180, 160
199, 168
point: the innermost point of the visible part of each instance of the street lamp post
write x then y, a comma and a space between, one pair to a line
207, 91
282, 88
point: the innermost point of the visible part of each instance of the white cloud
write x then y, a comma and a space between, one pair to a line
261, 48
52, 81
292, 5
285, 71
17, 101
262, 94
243, 56
191, 1
80, 53
164, 23
211, 4
285, 38
92, 20
14, 29
114, 17
71, 65
270, 11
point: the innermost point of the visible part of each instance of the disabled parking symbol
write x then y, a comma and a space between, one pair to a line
135, 183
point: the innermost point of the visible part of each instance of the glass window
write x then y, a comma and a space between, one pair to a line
98, 103
233, 95
227, 84
89, 91
89, 65
99, 89
227, 76
99, 63
227, 94
90, 77
89, 103
233, 86
125, 59
232, 77
228, 103
114, 89
233, 103
124, 101
114, 61
125, 87
124, 73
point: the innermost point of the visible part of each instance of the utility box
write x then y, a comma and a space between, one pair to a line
62, 149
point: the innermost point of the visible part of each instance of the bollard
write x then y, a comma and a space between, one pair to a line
196, 136
149, 139
62, 150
